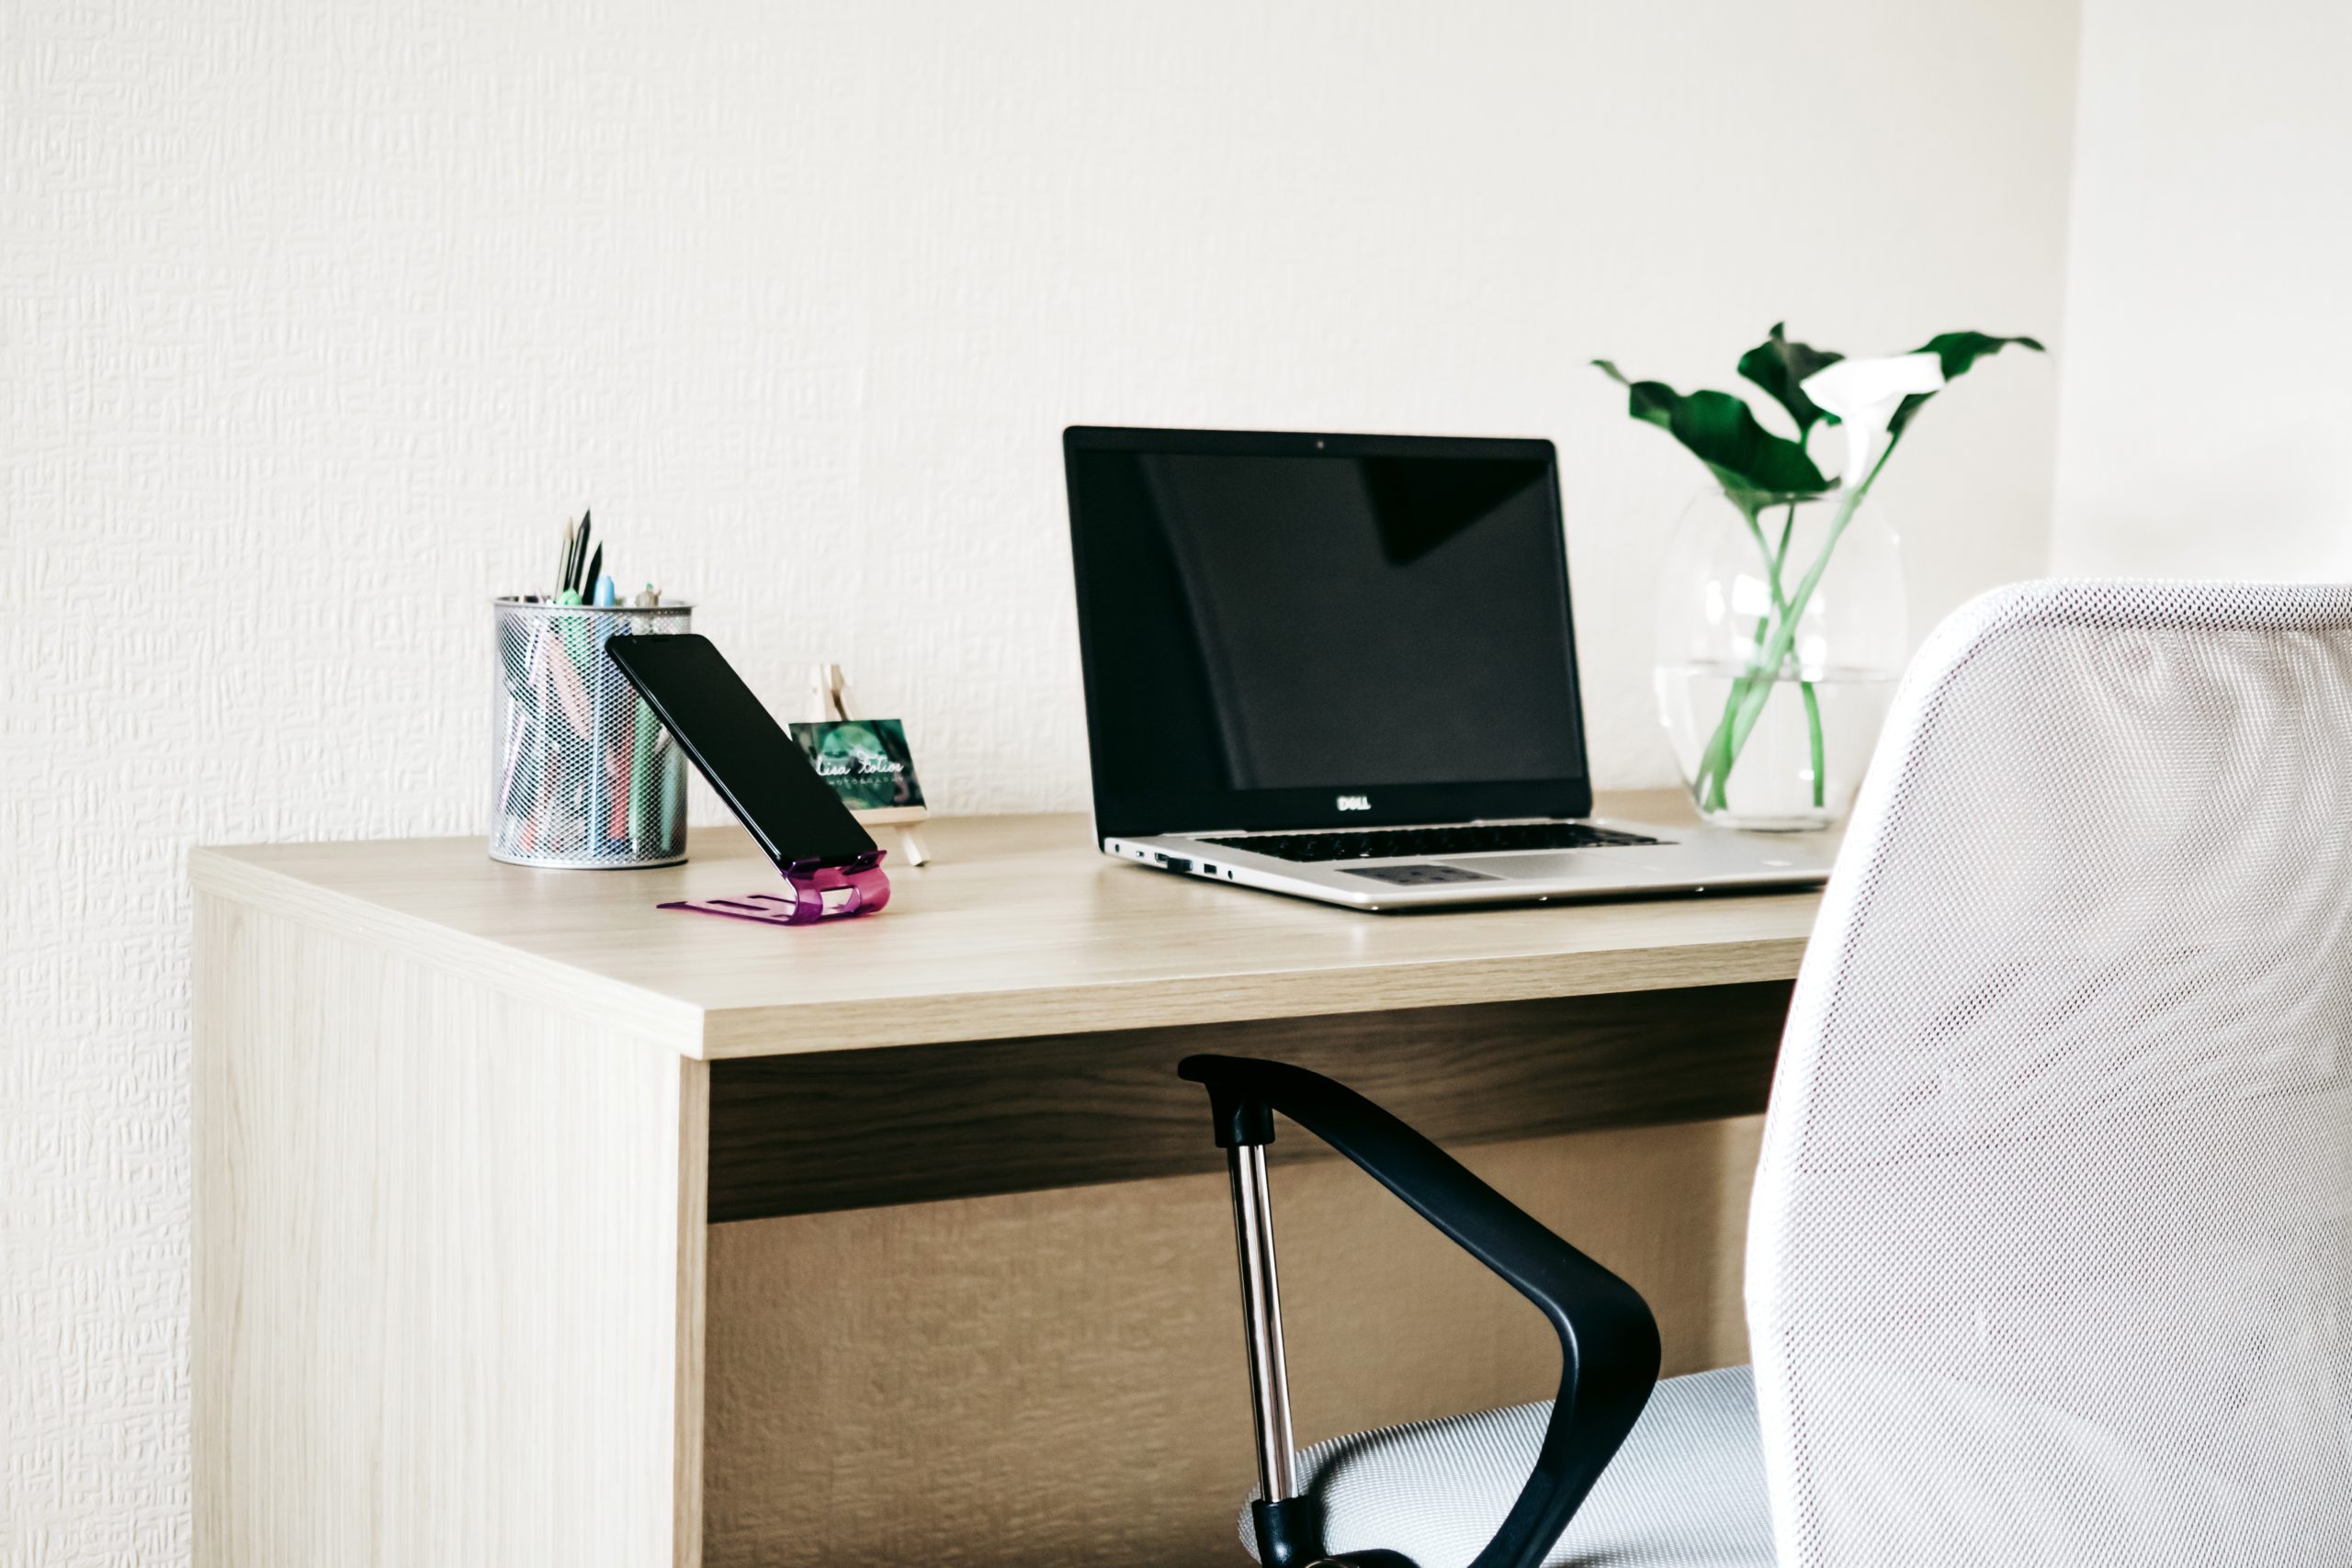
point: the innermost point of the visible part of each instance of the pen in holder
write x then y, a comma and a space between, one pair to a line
581, 775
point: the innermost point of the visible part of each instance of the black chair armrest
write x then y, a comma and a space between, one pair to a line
1609, 1343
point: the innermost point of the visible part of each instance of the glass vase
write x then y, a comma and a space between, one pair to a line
1775, 666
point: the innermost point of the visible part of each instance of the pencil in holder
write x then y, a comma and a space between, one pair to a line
582, 776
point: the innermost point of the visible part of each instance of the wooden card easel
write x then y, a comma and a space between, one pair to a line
828, 703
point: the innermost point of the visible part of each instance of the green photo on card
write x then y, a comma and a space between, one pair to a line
865, 759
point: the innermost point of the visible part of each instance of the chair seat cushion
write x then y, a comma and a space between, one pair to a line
1686, 1491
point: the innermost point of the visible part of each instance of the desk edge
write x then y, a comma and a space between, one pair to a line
796, 1029
680, 1026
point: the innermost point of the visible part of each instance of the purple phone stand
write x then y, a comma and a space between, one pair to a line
819, 892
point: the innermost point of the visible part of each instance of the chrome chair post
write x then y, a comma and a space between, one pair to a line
1262, 1312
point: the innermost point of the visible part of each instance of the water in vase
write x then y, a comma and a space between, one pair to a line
1772, 784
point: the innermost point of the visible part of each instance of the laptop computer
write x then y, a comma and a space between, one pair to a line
1342, 667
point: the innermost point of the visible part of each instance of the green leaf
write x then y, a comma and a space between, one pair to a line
1781, 366
1722, 432
1956, 352
1652, 400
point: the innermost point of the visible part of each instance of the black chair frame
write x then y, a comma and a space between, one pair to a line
1609, 1343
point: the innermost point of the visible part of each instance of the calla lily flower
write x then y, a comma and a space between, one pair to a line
1864, 395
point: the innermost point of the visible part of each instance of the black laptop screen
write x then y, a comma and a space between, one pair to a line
1282, 634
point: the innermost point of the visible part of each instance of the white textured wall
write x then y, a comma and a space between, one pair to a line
2207, 410
319, 318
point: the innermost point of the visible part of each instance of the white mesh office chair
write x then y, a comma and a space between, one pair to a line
2050, 1260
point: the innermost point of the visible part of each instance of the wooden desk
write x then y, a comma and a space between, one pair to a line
537, 1225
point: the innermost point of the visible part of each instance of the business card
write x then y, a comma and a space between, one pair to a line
865, 759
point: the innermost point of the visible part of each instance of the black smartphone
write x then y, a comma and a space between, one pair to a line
757, 769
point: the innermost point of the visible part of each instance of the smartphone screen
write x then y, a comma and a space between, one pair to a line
756, 768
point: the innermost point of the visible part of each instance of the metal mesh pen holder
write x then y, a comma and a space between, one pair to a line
583, 775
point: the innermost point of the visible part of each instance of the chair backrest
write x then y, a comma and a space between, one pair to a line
2051, 1254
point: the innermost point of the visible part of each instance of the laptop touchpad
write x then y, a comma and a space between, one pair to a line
1590, 866
1418, 875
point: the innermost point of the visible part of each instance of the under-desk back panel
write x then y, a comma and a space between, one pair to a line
1045, 1372
810, 1133
1057, 1377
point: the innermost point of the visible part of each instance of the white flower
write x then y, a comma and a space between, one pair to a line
1864, 394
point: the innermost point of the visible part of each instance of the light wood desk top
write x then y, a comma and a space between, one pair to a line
1018, 928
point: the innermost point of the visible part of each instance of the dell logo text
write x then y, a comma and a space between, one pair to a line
1355, 803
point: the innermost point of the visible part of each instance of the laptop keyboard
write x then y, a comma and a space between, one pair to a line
1378, 842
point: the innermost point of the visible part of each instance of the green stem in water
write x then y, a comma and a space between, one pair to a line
1721, 753
1751, 705
1812, 698
1714, 762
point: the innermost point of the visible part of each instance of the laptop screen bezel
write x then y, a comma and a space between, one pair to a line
1134, 814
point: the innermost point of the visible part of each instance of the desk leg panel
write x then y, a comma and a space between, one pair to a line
449, 1267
